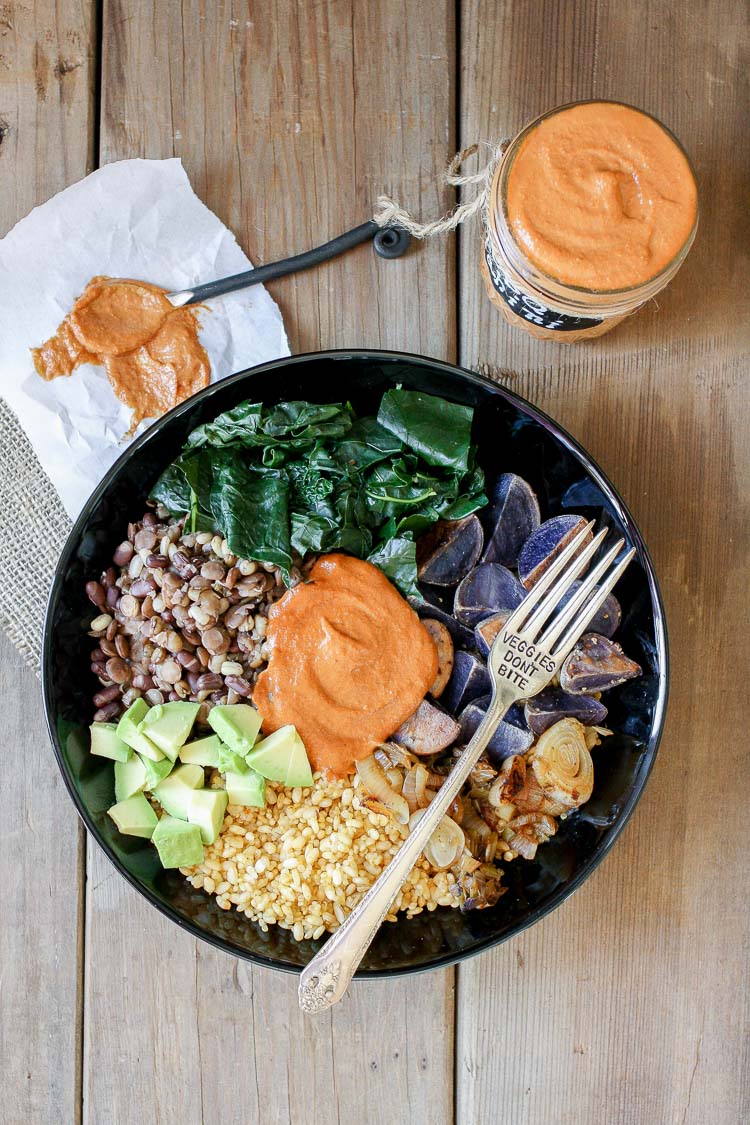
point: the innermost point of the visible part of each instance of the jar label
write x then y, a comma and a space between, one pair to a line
527, 307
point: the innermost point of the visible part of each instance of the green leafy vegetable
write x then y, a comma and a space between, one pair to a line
438, 430
311, 477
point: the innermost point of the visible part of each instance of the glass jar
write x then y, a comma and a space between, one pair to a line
539, 303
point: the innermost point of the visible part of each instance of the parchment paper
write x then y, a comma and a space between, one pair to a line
138, 219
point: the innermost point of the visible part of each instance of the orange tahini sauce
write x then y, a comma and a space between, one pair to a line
150, 349
600, 196
349, 662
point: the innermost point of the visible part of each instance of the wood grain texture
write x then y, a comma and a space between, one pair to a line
289, 120
626, 1005
46, 141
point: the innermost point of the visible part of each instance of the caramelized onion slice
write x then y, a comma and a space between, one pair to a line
562, 764
376, 783
444, 845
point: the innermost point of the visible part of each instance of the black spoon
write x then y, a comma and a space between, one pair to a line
390, 242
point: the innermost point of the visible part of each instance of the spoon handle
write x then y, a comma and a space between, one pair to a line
390, 242
325, 979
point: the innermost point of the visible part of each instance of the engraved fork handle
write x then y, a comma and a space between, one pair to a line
325, 979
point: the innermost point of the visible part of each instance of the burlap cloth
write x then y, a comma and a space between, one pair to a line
33, 529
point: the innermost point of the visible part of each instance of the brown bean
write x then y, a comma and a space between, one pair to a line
238, 684
142, 682
210, 681
149, 519
232, 578
107, 695
158, 562
122, 646
123, 554
109, 577
218, 697
96, 593
112, 630
147, 607
145, 540
97, 668
117, 670
182, 565
109, 648
142, 586
129, 606
234, 646
170, 671
215, 641
188, 661
233, 597
113, 596
106, 714
173, 697
193, 681
167, 616
214, 571
191, 634
131, 531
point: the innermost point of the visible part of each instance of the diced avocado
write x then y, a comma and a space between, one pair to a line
230, 760
173, 793
202, 752
247, 788
127, 730
130, 778
237, 725
178, 844
206, 809
282, 757
168, 725
106, 744
134, 817
156, 771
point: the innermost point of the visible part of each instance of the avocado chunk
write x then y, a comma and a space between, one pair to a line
229, 760
127, 730
134, 817
174, 792
168, 726
282, 757
106, 744
156, 771
247, 788
206, 809
178, 844
202, 752
237, 725
130, 778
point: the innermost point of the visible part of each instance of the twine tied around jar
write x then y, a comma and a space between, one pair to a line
390, 213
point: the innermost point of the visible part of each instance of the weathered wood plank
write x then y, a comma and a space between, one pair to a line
289, 120
46, 141
624, 1005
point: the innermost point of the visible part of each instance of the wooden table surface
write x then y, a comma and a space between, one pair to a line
629, 1004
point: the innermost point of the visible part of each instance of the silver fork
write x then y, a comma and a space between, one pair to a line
524, 657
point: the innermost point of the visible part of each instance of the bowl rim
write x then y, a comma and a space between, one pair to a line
602, 848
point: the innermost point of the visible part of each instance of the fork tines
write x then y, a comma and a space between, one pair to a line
538, 607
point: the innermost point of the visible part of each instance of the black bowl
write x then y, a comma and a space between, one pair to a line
512, 435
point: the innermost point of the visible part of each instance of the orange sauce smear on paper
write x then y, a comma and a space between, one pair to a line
349, 662
149, 349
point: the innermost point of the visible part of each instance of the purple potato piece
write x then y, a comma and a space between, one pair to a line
462, 637
469, 680
545, 544
596, 664
489, 588
553, 704
508, 739
448, 551
512, 516
607, 618
428, 731
486, 631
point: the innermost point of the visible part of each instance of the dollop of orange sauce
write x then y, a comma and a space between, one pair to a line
349, 662
600, 196
149, 349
